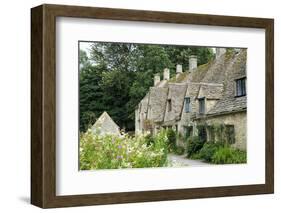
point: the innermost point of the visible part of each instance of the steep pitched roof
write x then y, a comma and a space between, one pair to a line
143, 105
214, 80
192, 89
228, 101
216, 71
176, 94
105, 125
199, 73
210, 91
229, 105
157, 103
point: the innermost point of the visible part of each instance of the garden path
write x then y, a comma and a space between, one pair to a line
181, 160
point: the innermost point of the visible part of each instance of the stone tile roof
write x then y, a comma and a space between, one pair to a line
210, 91
192, 90
216, 72
198, 74
229, 105
157, 103
215, 80
176, 93
105, 125
228, 101
143, 105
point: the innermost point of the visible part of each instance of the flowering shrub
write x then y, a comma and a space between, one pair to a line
112, 152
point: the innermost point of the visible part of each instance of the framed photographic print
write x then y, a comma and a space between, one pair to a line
136, 106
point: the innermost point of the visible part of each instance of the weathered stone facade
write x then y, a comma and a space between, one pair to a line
236, 119
206, 96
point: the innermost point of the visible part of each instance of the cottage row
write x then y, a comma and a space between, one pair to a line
209, 101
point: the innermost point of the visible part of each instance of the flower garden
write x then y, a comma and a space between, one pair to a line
114, 152
99, 151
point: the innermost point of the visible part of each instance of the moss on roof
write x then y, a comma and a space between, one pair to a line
195, 76
181, 78
198, 74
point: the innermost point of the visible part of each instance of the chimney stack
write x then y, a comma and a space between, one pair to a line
192, 62
156, 79
166, 74
178, 70
220, 51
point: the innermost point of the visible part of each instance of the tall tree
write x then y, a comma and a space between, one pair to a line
116, 76
90, 91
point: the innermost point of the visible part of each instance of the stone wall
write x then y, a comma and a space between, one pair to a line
238, 119
209, 104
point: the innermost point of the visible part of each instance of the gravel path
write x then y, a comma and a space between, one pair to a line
181, 160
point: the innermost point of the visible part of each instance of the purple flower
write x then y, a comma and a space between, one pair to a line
119, 157
119, 147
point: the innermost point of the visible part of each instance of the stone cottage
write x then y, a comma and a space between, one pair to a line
105, 125
208, 101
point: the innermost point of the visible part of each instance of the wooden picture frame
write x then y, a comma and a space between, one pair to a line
43, 105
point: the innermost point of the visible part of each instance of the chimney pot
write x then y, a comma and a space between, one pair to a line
166, 74
156, 79
192, 62
220, 51
179, 69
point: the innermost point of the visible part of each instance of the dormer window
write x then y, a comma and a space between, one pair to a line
169, 102
240, 87
201, 105
187, 104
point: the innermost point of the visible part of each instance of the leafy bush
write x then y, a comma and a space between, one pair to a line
195, 156
179, 150
172, 139
149, 139
228, 155
112, 152
208, 150
194, 144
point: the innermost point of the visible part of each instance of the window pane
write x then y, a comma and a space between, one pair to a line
201, 106
241, 87
187, 104
238, 86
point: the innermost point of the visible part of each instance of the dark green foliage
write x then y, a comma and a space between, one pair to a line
220, 153
194, 144
172, 139
228, 155
114, 77
89, 90
149, 139
180, 55
208, 150
179, 150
